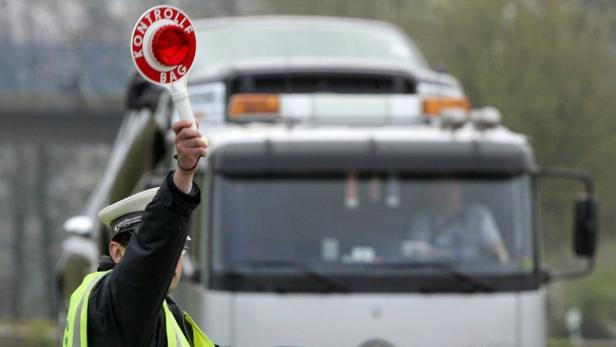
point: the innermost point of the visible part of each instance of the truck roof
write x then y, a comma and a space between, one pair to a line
415, 133
418, 149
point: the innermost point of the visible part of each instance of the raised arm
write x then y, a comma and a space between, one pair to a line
140, 281
489, 232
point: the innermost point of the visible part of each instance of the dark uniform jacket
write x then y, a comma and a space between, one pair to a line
125, 307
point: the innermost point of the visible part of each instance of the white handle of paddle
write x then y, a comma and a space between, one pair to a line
179, 94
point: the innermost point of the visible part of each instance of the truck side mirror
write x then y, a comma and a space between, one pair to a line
585, 223
585, 226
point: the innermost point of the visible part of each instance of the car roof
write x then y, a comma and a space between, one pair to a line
221, 22
219, 70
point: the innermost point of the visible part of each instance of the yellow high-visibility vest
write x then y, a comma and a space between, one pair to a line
76, 332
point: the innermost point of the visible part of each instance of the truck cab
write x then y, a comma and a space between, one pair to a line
372, 235
339, 235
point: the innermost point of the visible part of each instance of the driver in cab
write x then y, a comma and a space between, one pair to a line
449, 224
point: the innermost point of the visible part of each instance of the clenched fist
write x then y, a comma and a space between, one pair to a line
189, 146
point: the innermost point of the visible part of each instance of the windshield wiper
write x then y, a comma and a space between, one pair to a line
306, 271
472, 283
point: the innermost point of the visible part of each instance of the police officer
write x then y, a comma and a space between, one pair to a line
126, 302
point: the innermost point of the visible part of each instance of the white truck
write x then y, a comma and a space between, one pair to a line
306, 237
319, 174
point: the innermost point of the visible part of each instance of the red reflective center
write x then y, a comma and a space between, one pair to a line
170, 45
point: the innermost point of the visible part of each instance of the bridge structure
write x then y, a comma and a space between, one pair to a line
53, 92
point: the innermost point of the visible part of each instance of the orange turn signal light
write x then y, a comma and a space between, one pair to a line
251, 104
433, 106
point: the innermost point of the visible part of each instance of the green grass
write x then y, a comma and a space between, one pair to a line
35, 333
559, 343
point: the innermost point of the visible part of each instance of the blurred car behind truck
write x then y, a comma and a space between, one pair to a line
293, 66
330, 138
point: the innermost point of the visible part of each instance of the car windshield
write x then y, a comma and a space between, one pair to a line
377, 221
286, 39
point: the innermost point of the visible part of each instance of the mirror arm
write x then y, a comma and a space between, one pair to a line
549, 276
570, 174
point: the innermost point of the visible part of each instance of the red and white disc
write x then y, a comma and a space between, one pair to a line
163, 44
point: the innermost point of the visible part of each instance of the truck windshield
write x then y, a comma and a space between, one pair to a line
284, 40
370, 221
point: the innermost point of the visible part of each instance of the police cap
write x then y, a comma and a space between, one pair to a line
125, 215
